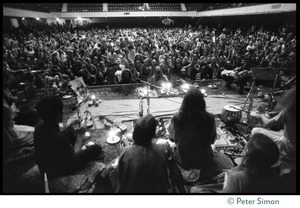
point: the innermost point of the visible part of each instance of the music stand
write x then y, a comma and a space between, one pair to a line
258, 73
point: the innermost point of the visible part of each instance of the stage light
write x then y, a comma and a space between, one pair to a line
168, 85
185, 86
23, 18
37, 18
93, 98
203, 91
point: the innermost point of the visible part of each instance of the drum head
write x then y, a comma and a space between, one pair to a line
232, 108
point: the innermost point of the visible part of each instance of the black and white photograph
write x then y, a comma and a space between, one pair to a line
150, 99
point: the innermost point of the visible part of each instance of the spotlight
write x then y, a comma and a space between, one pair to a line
37, 18
23, 18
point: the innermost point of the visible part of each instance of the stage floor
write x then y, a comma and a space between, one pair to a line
121, 104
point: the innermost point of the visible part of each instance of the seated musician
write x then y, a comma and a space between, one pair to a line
143, 166
59, 152
286, 139
255, 173
194, 131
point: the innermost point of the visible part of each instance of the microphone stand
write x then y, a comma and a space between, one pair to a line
148, 97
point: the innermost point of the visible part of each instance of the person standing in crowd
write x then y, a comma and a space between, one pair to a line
255, 173
194, 131
59, 153
143, 166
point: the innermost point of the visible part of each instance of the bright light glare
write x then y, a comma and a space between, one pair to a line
168, 85
185, 86
23, 18
37, 18
79, 18
202, 91
93, 97
87, 134
112, 133
57, 19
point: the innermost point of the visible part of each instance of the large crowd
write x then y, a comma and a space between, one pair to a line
126, 55
32, 56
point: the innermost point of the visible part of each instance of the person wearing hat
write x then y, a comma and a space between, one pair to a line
143, 166
57, 152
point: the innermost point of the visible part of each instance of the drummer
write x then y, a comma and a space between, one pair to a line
286, 138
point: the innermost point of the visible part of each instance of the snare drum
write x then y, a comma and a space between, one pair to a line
232, 113
255, 119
